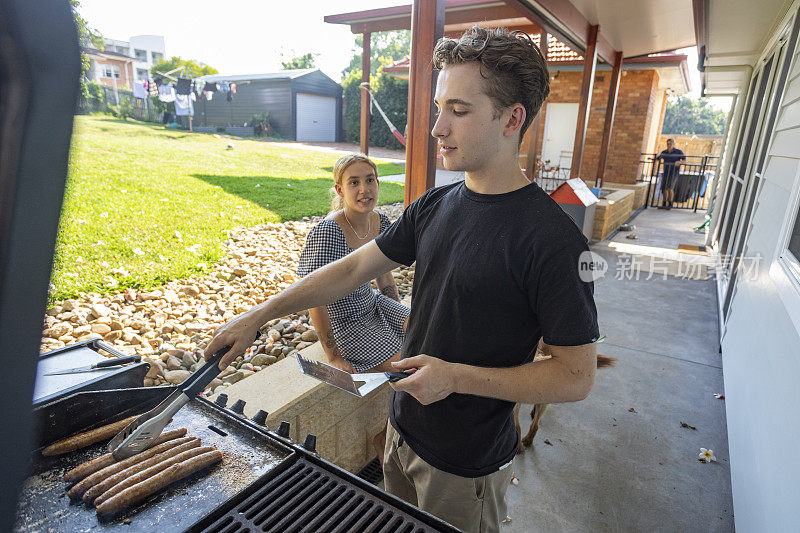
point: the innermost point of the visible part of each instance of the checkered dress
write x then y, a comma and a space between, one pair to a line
367, 326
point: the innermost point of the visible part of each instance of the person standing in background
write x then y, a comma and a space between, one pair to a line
671, 159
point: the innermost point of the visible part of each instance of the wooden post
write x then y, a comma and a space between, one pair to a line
608, 124
427, 27
365, 67
589, 66
536, 125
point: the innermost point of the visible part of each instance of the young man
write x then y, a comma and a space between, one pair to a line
496, 270
672, 158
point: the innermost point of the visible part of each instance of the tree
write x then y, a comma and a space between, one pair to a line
88, 38
193, 69
385, 48
687, 116
304, 61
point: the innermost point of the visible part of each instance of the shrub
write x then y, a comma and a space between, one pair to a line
260, 123
391, 93
124, 110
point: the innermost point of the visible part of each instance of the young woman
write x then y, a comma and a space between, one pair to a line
362, 332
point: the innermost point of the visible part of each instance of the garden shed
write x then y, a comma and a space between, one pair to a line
304, 104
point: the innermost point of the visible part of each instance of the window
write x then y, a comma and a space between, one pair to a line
794, 238
110, 71
157, 56
141, 74
121, 50
141, 55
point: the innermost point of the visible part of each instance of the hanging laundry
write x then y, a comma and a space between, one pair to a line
224, 86
152, 88
138, 90
166, 93
233, 88
183, 105
208, 95
184, 86
210, 87
229, 96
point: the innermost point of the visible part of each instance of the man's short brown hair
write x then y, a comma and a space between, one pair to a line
510, 62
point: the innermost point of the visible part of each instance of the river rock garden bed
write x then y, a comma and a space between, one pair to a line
169, 326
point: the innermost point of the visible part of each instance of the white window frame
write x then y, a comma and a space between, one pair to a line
785, 270
785, 266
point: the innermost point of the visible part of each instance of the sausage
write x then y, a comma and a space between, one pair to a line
84, 485
99, 488
90, 467
81, 440
145, 488
150, 472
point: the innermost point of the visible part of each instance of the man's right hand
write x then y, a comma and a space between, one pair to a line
238, 334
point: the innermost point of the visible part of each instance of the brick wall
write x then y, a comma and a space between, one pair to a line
633, 119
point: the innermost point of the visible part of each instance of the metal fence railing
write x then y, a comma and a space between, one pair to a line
691, 187
550, 175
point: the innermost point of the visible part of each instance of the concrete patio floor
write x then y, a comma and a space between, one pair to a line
611, 469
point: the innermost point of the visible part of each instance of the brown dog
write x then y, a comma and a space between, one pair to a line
538, 410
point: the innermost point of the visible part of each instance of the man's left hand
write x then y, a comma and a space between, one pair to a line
432, 381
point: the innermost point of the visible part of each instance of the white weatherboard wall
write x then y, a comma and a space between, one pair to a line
316, 118
761, 346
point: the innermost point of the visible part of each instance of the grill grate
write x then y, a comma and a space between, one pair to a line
303, 497
372, 472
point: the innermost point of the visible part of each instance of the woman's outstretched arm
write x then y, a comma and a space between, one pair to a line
387, 286
322, 324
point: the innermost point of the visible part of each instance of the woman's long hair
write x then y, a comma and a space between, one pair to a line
342, 164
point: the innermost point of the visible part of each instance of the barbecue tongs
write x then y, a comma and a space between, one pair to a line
143, 432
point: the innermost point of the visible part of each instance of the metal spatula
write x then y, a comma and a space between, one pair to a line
142, 432
346, 381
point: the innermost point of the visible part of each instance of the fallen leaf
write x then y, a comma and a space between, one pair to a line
631, 410
548, 442
685, 425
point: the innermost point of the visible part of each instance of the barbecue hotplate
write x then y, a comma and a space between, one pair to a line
44, 505
264, 483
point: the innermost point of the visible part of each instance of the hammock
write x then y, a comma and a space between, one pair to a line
373, 101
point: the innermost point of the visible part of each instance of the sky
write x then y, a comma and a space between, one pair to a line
253, 37
236, 36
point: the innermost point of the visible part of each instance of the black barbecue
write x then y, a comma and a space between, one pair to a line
265, 483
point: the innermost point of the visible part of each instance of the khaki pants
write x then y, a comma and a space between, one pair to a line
470, 504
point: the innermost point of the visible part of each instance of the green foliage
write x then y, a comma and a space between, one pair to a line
391, 93
385, 48
687, 116
88, 37
192, 68
122, 111
156, 203
93, 98
305, 61
260, 123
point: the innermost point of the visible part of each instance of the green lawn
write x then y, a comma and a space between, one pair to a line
138, 195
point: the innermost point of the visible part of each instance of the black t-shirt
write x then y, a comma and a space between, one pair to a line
670, 158
494, 274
